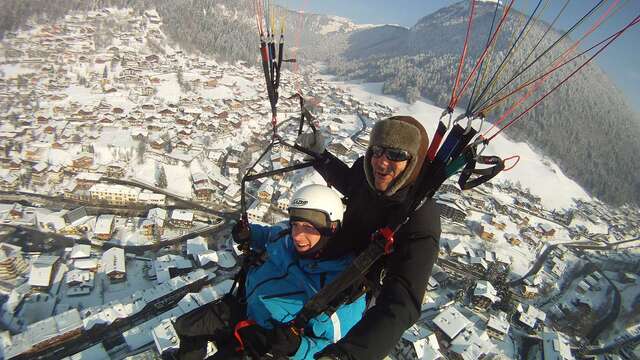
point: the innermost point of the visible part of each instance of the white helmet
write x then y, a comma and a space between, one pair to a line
317, 204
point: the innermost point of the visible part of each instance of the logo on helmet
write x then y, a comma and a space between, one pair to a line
299, 202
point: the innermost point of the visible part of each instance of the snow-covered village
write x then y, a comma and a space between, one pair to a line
121, 167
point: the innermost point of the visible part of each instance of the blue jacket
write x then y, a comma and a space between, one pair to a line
277, 290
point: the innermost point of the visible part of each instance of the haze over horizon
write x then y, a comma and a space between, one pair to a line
619, 60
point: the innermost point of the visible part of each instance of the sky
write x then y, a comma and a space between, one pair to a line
619, 60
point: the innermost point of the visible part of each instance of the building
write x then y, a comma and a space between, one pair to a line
484, 295
9, 182
487, 232
113, 264
553, 346
74, 215
265, 191
80, 251
545, 230
529, 292
203, 190
283, 201
82, 161
181, 218
11, 262
42, 271
498, 325
257, 210
79, 282
44, 334
451, 322
165, 338
500, 222
114, 194
104, 228
150, 198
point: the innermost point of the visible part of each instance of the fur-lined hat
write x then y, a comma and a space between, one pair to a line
400, 132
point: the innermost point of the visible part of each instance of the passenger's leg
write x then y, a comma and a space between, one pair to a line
212, 322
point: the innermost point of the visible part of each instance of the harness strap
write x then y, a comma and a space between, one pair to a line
485, 174
242, 324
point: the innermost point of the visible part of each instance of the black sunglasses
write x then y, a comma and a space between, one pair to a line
390, 153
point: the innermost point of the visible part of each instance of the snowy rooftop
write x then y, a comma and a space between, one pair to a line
41, 270
113, 261
104, 224
81, 251
451, 322
182, 215
556, 346
165, 337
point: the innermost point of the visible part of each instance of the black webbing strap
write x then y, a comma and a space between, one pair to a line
324, 298
484, 174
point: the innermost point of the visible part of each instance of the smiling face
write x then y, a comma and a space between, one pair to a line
305, 236
385, 171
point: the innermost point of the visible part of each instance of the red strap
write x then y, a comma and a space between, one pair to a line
437, 139
387, 234
242, 324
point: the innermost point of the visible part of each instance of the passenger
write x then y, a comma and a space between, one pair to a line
293, 269
378, 186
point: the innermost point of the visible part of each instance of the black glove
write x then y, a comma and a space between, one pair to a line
280, 341
253, 340
241, 233
284, 340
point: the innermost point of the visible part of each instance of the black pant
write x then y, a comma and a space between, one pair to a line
214, 322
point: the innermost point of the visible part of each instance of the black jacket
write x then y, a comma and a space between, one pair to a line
406, 270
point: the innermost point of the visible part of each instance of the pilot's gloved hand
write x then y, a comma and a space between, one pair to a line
241, 233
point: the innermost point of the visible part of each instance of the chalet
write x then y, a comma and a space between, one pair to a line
531, 317
184, 144
512, 239
203, 190
529, 292
487, 232
12, 264
39, 173
83, 161
87, 180
450, 322
17, 211
451, 211
113, 264
498, 326
283, 201
257, 211
484, 295
9, 182
158, 144
105, 225
42, 270
499, 222
545, 230
265, 191
181, 218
